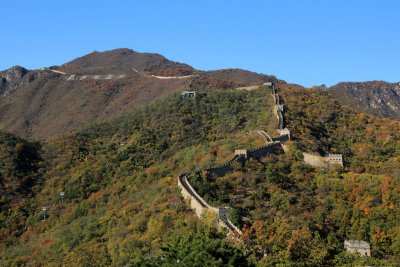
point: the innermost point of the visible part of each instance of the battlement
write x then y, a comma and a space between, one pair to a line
241, 152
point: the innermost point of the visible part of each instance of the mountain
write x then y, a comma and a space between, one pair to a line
374, 97
50, 101
42, 103
122, 206
123, 57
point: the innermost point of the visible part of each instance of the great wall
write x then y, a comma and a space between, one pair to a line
197, 203
76, 77
200, 206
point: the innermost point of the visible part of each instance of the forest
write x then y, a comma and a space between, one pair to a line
122, 205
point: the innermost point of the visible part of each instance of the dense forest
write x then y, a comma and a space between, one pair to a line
122, 205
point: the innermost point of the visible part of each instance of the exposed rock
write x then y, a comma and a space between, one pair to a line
11, 79
375, 97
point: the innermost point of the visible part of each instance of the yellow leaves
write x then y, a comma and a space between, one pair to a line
386, 187
47, 243
96, 195
150, 171
379, 236
209, 218
170, 181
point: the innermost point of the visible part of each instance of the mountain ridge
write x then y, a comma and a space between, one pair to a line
50, 101
97, 86
379, 98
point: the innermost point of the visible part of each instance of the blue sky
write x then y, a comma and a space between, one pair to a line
305, 42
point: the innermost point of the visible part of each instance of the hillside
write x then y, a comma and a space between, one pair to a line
20, 169
122, 205
242, 76
375, 97
43, 103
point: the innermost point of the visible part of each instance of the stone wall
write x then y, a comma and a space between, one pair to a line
265, 150
315, 160
199, 205
323, 162
195, 203
268, 138
74, 77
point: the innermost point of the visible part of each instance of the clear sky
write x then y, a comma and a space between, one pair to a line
305, 42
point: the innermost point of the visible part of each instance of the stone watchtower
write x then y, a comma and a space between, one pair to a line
188, 94
335, 159
358, 246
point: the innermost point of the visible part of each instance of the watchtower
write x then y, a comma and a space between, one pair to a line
357, 246
335, 159
188, 94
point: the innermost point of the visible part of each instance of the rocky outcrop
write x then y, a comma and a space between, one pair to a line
375, 97
11, 79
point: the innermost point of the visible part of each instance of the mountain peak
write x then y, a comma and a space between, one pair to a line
124, 57
15, 72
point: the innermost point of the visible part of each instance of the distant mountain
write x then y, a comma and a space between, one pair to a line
43, 103
375, 97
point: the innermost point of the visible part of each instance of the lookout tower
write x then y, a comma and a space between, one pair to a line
358, 246
335, 159
188, 94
